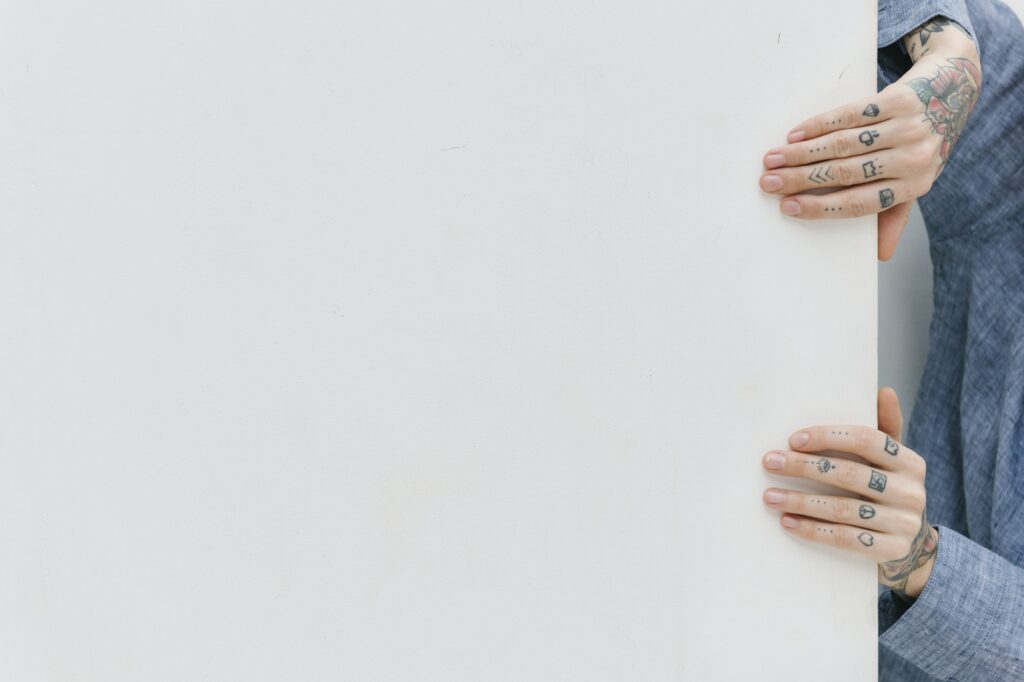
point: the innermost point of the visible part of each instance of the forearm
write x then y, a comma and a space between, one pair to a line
968, 623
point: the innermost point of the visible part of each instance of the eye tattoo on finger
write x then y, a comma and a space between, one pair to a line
867, 511
891, 446
871, 110
868, 137
886, 197
824, 466
877, 481
866, 539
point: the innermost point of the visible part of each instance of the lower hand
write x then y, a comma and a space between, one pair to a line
885, 519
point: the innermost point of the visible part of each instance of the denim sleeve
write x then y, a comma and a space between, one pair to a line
897, 18
967, 623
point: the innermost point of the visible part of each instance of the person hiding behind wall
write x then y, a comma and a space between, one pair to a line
943, 511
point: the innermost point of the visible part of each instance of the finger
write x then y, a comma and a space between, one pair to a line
839, 145
838, 509
877, 545
873, 446
854, 202
835, 173
891, 222
890, 417
879, 107
870, 482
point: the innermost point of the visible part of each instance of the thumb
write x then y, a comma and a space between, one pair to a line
890, 419
890, 226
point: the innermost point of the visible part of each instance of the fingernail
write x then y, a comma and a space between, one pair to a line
774, 497
774, 461
790, 207
770, 183
790, 522
796, 136
774, 160
798, 440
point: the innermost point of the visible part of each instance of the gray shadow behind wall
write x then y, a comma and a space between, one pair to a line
904, 313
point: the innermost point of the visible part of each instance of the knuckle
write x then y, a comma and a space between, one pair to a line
849, 118
903, 97
923, 156
847, 472
916, 499
857, 207
909, 524
845, 175
922, 187
903, 547
841, 145
841, 508
842, 537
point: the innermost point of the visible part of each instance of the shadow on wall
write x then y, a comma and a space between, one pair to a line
904, 313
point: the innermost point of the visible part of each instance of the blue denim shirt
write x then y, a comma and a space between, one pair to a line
968, 421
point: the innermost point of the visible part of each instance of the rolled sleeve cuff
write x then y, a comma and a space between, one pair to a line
897, 18
952, 617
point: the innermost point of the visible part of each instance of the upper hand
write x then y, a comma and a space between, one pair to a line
885, 519
885, 150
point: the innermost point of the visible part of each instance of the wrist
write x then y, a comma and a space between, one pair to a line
938, 39
917, 580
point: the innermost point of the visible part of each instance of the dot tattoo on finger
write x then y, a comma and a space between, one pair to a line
886, 197
891, 446
871, 110
878, 480
866, 539
867, 511
868, 137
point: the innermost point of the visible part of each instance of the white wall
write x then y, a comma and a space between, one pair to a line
392, 341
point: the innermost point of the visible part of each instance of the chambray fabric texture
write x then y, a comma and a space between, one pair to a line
968, 421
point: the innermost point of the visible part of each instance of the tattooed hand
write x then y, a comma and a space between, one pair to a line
887, 149
886, 520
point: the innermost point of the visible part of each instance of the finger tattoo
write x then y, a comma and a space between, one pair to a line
824, 466
891, 446
819, 176
867, 539
867, 511
870, 170
868, 137
886, 197
871, 110
877, 481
